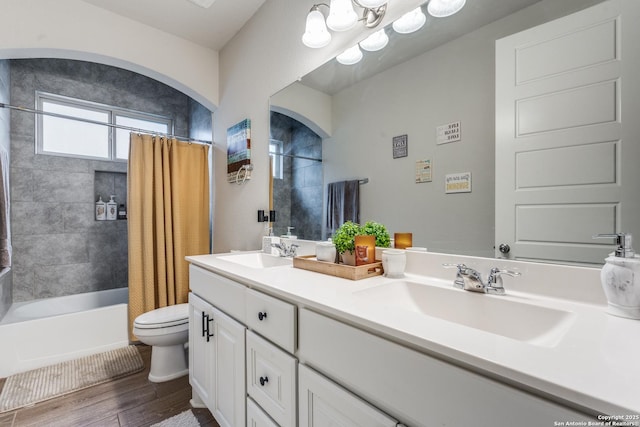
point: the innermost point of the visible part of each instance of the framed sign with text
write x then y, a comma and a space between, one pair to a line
400, 146
458, 183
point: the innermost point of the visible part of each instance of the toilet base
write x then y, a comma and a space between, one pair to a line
168, 363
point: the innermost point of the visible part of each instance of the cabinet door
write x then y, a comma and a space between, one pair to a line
228, 396
200, 348
217, 362
271, 379
256, 417
325, 404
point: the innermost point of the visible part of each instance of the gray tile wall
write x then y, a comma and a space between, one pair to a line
280, 129
306, 194
7, 274
200, 121
298, 197
59, 248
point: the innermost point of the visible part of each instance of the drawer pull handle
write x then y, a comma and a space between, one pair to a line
262, 316
264, 380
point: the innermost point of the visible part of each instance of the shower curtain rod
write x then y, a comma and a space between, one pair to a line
64, 116
296, 157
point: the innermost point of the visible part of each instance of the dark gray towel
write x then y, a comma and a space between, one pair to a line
343, 204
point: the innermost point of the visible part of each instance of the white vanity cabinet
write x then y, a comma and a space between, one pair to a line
216, 361
242, 376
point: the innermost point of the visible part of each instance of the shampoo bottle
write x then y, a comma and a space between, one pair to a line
112, 209
620, 278
101, 209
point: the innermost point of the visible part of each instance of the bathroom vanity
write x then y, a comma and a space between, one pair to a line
273, 345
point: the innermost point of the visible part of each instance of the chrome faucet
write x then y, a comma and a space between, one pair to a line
470, 279
284, 250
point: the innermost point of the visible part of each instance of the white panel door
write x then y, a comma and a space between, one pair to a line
568, 135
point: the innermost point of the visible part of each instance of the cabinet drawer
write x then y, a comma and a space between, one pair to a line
256, 417
271, 379
272, 318
224, 293
324, 404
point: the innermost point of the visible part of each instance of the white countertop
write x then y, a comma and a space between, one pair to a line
594, 365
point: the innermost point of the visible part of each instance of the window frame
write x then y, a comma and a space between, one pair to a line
278, 158
112, 112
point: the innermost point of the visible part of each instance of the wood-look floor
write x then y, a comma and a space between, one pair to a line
132, 401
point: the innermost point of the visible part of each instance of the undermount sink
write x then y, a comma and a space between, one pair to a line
257, 260
499, 315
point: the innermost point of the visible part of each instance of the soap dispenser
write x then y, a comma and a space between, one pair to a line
101, 209
620, 278
112, 208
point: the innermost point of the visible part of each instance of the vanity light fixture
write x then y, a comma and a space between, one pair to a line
410, 21
351, 56
444, 8
342, 17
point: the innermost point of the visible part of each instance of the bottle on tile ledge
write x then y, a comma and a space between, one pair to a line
112, 209
122, 212
101, 209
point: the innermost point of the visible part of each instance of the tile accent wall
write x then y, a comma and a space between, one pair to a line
5, 276
298, 197
59, 248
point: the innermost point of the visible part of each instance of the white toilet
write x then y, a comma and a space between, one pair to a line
166, 329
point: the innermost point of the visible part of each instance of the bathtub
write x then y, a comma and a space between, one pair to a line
52, 330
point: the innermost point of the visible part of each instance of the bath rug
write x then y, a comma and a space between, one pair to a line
183, 419
27, 388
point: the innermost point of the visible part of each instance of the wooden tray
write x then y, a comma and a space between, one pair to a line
339, 270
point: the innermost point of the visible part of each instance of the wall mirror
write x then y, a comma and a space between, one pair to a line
443, 74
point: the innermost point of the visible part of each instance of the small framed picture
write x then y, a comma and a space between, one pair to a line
458, 183
400, 146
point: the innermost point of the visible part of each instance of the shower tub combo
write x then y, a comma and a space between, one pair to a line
52, 330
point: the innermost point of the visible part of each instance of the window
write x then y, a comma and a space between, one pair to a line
276, 149
88, 138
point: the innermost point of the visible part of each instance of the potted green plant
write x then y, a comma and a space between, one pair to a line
372, 228
344, 240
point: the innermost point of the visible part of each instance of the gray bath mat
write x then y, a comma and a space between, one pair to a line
183, 419
41, 384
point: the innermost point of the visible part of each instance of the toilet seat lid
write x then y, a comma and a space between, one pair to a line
164, 317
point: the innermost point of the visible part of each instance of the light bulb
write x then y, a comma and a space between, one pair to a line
370, 4
444, 8
341, 17
375, 41
410, 22
316, 34
351, 56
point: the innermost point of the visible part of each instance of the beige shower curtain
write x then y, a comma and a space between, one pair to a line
168, 219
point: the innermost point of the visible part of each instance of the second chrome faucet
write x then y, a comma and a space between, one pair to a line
470, 279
